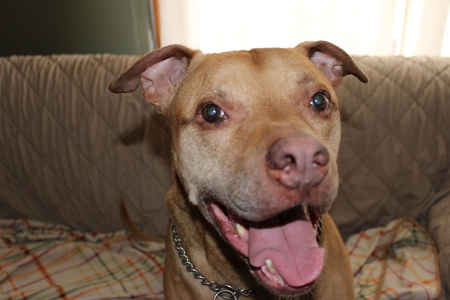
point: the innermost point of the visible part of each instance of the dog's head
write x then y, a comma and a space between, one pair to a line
255, 139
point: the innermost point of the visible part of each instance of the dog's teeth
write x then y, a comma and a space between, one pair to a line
270, 265
240, 229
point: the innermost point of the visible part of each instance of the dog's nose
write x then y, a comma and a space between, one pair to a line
298, 162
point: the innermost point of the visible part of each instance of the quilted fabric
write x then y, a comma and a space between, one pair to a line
394, 155
69, 148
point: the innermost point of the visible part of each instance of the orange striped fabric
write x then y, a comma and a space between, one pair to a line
46, 261
399, 261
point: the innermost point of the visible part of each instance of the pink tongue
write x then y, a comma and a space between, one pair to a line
291, 246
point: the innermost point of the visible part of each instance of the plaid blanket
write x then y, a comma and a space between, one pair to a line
46, 261
399, 261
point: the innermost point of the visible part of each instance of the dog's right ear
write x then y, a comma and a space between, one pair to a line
158, 72
332, 61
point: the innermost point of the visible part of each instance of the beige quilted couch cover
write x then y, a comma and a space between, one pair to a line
69, 149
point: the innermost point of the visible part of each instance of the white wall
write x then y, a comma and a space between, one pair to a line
358, 26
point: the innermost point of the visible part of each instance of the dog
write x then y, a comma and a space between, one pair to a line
255, 136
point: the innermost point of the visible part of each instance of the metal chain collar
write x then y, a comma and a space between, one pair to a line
319, 229
224, 291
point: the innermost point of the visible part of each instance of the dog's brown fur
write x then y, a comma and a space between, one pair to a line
265, 96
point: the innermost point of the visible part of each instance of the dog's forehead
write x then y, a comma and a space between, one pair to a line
255, 60
257, 78
264, 69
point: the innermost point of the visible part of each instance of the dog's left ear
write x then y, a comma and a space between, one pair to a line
332, 61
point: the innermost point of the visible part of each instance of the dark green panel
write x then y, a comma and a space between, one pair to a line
74, 26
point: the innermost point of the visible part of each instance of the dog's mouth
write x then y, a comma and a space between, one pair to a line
282, 251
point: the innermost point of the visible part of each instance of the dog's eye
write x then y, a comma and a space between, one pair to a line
319, 101
212, 113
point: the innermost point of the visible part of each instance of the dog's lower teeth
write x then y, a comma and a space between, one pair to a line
270, 265
240, 229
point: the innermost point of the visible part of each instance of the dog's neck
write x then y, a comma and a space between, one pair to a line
225, 291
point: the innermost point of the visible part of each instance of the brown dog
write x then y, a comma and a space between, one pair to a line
255, 136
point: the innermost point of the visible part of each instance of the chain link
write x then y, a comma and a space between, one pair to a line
319, 230
224, 291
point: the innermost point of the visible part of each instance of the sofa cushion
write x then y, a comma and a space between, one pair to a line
69, 148
394, 155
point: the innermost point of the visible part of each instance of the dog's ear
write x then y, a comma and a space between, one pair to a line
332, 61
158, 72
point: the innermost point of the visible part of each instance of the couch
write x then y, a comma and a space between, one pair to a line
70, 149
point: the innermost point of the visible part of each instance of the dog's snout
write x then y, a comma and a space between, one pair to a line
298, 162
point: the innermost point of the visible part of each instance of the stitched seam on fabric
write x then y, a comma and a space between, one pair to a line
389, 130
95, 164
39, 155
130, 127
412, 101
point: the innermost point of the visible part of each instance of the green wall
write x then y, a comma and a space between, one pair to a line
75, 26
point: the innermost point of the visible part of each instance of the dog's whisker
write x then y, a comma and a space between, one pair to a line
353, 128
